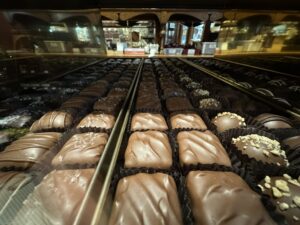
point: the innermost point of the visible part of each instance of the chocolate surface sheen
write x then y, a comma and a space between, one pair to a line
261, 148
53, 120
109, 105
27, 150
151, 121
146, 199
187, 120
224, 198
292, 142
226, 121
273, 121
178, 103
100, 120
10, 184
85, 148
285, 194
57, 199
148, 149
201, 147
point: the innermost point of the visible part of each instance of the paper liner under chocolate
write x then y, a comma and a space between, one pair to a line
227, 136
284, 133
179, 180
121, 157
65, 139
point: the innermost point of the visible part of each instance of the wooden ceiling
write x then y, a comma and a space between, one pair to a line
173, 4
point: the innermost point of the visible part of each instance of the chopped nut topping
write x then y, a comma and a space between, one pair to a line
261, 187
268, 179
267, 185
295, 218
283, 206
296, 200
287, 176
266, 153
282, 185
276, 192
295, 182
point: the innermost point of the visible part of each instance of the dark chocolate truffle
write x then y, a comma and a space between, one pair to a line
99, 120
148, 121
148, 149
81, 149
273, 121
227, 120
261, 148
109, 105
57, 199
148, 102
28, 150
224, 198
201, 147
187, 120
285, 194
53, 120
146, 199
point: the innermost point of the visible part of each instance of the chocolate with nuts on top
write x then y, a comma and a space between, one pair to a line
146, 199
148, 121
227, 120
285, 194
81, 149
224, 198
53, 120
261, 148
187, 120
57, 199
27, 150
148, 149
201, 147
210, 103
99, 120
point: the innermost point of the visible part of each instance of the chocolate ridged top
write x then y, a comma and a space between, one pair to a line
151, 121
148, 149
148, 102
10, 183
100, 120
201, 147
261, 148
146, 199
77, 102
285, 194
224, 198
28, 149
227, 120
56, 200
85, 148
187, 120
110, 105
53, 120
273, 121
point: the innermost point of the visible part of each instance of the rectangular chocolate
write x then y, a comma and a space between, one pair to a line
224, 198
174, 104
146, 199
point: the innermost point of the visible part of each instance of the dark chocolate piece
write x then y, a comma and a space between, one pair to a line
174, 104
224, 198
146, 199
109, 105
292, 142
